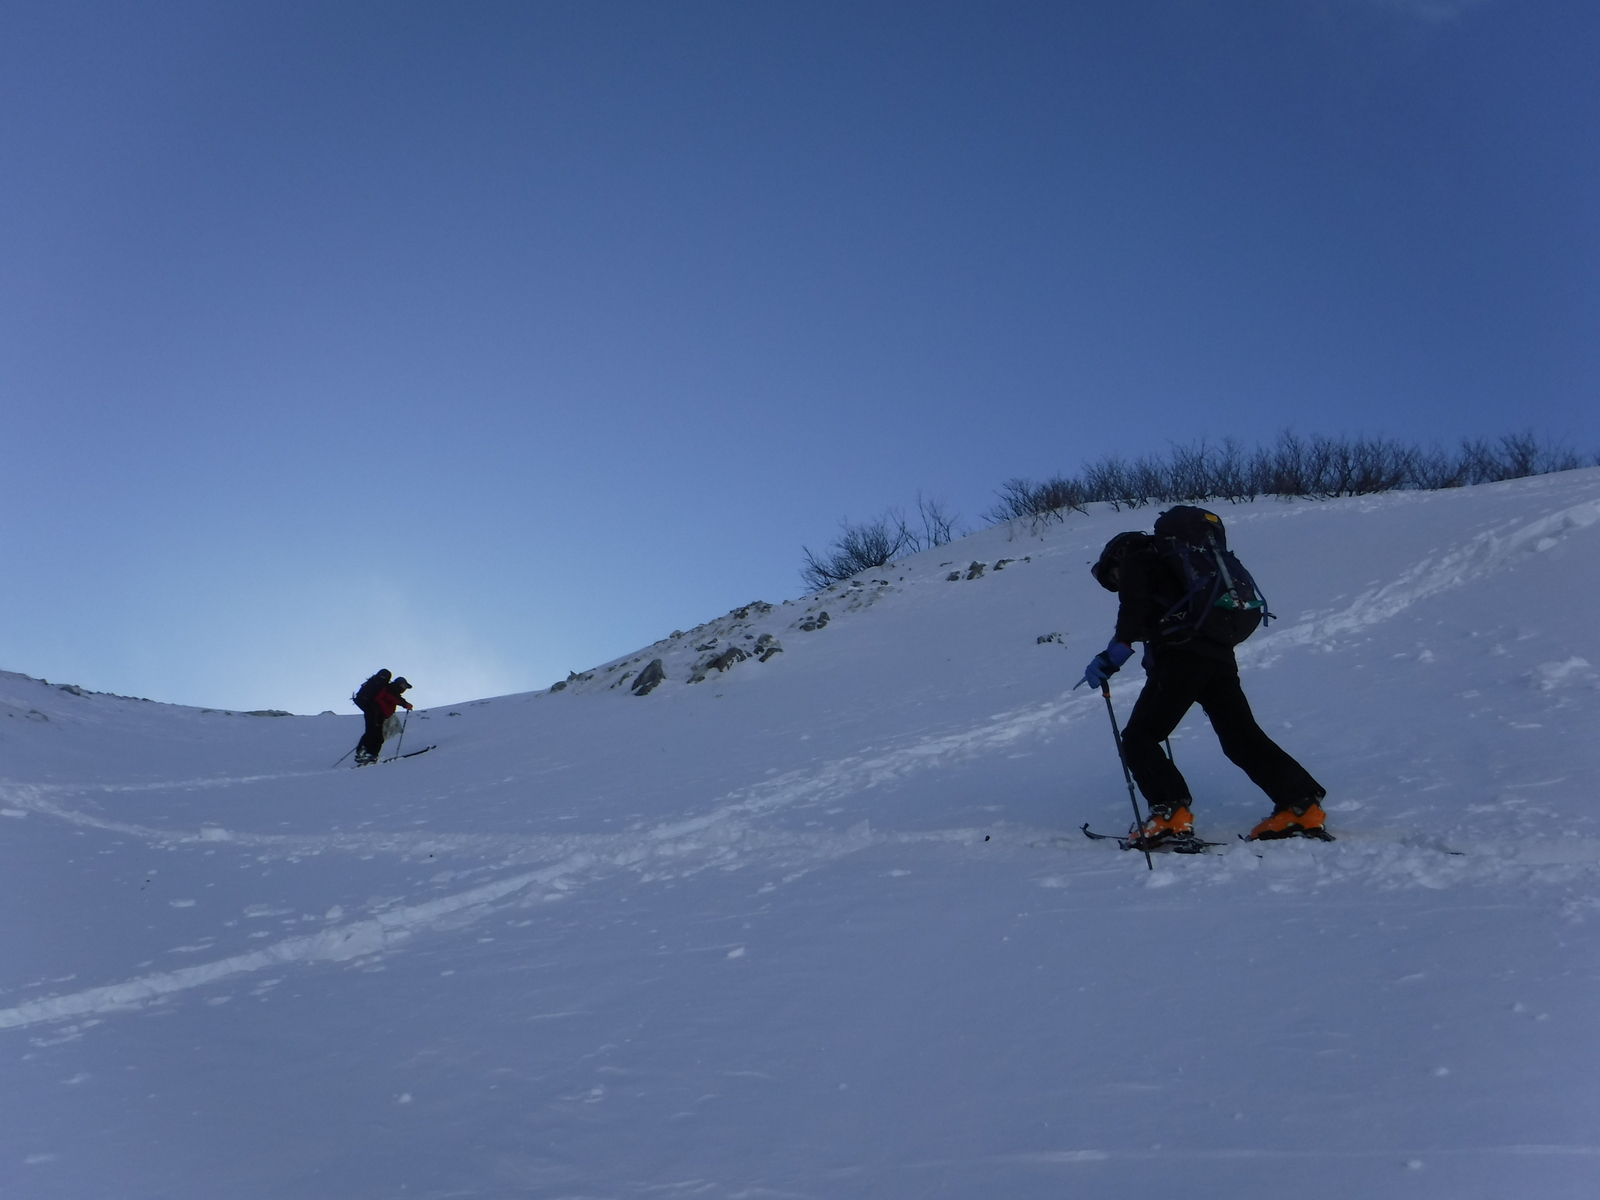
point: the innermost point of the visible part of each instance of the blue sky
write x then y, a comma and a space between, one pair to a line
488, 341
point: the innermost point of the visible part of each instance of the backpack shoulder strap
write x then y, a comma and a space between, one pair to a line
1196, 582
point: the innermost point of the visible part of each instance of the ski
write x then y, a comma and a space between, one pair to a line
396, 758
1189, 845
1101, 837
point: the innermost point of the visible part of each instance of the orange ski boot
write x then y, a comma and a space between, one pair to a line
1307, 821
1167, 826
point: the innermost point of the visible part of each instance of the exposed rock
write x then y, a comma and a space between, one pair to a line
767, 646
268, 712
1001, 565
649, 678
975, 571
814, 623
733, 654
1049, 637
952, 577
554, 687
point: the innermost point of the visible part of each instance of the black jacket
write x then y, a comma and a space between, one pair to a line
1148, 589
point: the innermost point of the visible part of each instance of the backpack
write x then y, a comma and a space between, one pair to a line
1221, 601
368, 692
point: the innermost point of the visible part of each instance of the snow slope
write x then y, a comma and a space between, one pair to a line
823, 926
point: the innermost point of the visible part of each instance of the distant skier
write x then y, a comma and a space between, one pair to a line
377, 699
1190, 601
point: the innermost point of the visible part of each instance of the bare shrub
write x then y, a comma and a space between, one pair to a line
857, 548
1022, 498
879, 542
1315, 467
1514, 456
939, 524
1312, 467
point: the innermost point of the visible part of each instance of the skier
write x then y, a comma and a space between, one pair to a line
1188, 662
377, 699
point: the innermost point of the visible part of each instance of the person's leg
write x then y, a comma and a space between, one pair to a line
1171, 685
372, 740
1269, 765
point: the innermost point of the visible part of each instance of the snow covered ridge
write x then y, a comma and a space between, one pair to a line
751, 631
714, 646
73, 689
821, 924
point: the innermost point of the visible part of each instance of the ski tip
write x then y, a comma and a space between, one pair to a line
398, 757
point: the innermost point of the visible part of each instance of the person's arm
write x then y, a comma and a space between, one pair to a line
1133, 593
1134, 603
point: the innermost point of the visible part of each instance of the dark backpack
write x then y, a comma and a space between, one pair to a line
1221, 601
368, 691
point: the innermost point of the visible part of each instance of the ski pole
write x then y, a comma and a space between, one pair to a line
347, 754
400, 742
1133, 796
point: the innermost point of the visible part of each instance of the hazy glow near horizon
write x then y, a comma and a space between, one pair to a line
488, 342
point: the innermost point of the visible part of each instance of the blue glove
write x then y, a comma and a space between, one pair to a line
1106, 664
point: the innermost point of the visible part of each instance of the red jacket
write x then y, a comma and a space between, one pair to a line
385, 702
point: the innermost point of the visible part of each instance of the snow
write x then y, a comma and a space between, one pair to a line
823, 925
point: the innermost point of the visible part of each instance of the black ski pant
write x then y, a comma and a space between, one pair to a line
1176, 680
372, 740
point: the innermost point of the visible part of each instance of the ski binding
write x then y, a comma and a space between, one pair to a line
1173, 845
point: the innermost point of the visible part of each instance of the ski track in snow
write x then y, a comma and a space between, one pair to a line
727, 822
1084, 1156
724, 837
359, 939
728, 836
1070, 1157
1488, 552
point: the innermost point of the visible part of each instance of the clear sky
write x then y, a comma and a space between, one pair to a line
485, 341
